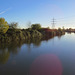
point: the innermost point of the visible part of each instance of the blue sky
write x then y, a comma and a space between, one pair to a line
39, 11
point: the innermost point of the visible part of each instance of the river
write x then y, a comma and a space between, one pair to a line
54, 56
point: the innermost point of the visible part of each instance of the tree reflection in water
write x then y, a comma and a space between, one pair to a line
15, 46
4, 56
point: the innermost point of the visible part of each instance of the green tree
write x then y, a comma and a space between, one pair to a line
70, 29
59, 29
3, 25
35, 26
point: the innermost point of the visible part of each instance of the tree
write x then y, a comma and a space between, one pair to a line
63, 28
35, 26
28, 24
59, 29
48, 27
3, 25
13, 25
70, 29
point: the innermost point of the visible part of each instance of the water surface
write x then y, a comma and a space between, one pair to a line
55, 56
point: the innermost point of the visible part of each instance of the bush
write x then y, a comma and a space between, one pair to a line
36, 34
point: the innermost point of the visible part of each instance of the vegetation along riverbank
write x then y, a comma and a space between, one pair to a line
11, 32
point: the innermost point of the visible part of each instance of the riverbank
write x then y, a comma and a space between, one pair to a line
25, 34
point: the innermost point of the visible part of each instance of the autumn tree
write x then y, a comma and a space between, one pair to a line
3, 25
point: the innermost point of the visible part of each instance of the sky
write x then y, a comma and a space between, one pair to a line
39, 11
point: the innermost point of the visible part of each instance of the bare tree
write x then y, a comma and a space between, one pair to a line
28, 24
13, 25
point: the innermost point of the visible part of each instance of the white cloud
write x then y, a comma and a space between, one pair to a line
4, 11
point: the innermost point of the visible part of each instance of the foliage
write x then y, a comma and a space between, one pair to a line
35, 34
35, 26
13, 25
3, 25
59, 29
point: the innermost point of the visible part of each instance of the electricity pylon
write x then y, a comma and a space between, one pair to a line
53, 23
